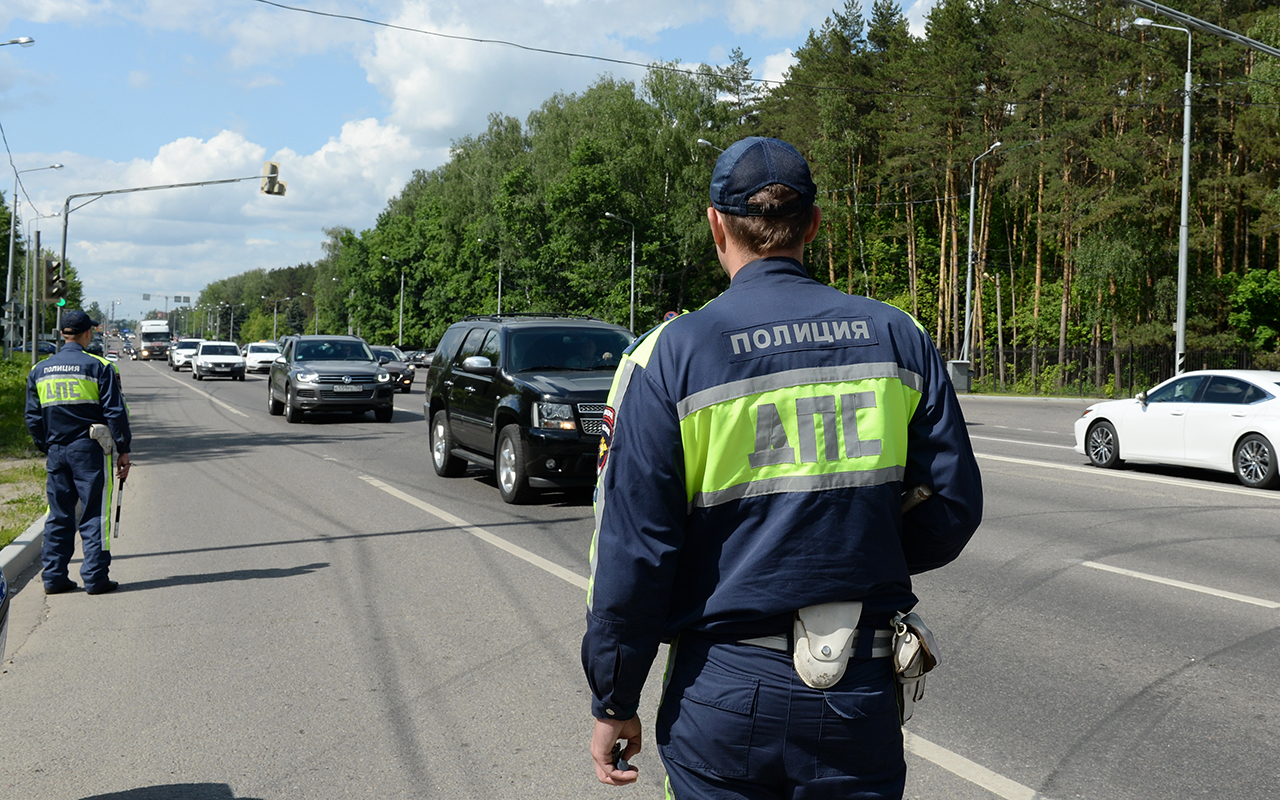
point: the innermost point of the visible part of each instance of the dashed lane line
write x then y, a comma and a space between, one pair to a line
1194, 587
1023, 441
198, 391
954, 763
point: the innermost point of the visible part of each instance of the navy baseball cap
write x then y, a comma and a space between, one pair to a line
750, 165
74, 322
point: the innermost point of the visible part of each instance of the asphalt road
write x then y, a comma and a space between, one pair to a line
307, 611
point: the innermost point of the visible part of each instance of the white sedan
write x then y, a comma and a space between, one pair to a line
217, 360
1225, 420
259, 355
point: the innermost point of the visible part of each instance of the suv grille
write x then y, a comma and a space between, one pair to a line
592, 425
338, 379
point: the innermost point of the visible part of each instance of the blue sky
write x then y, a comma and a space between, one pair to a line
129, 93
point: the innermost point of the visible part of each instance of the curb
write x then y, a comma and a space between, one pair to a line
18, 554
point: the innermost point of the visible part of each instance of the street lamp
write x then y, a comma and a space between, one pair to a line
499, 249
401, 336
13, 220
705, 143
1180, 347
274, 310
25, 41
613, 216
968, 276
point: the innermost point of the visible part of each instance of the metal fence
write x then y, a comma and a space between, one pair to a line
1092, 371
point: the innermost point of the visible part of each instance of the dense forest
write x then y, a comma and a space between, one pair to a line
1076, 219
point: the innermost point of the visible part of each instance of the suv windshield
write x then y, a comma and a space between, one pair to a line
561, 349
333, 350
390, 352
187, 345
219, 350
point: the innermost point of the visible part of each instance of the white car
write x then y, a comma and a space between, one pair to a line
180, 354
259, 355
217, 360
1225, 420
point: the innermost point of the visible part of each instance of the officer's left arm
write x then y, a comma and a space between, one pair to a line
940, 457
111, 396
33, 416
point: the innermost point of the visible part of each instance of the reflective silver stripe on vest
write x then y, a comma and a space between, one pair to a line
798, 483
797, 377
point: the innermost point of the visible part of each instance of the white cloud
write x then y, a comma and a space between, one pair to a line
776, 66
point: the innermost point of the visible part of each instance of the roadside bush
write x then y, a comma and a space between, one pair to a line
15, 442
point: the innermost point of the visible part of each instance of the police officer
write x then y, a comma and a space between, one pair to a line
755, 457
66, 394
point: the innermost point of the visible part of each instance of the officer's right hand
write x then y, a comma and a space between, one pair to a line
603, 737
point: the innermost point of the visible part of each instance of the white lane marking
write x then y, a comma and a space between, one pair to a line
1256, 494
1194, 587
483, 535
1021, 441
952, 762
957, 764
200, 392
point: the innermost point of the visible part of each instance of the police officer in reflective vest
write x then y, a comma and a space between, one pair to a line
752, 472
66, 394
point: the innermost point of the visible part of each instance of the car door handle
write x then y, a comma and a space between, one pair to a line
1239, 414
471, 390
1176, 413
448, 383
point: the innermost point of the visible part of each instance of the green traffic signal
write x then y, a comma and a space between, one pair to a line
62, 301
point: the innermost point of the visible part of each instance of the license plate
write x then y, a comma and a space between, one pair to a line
221, 369
342, 387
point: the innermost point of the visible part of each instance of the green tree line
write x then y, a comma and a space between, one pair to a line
1076, 217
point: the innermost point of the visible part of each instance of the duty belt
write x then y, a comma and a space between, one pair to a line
881, 642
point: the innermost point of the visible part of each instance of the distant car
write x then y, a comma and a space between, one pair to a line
113, 355
1224, 420
131, 352
180, 354
41, 347
329, 373
218, 360
397, 363
259, 355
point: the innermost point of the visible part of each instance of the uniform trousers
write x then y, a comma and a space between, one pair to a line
77, 471
736, 721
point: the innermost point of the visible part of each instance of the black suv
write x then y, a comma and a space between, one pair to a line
328, 373
524, 395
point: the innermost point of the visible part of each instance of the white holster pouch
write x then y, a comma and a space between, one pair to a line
914, 653
824, 642
102, 435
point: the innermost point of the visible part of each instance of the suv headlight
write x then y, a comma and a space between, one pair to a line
555, 416
383, 376
307, 376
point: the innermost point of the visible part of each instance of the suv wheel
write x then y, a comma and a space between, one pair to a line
513, 478
274, 407
291, 411
446, 464
384, 414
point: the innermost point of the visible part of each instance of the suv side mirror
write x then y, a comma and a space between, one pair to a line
479, 365
280, 360
384, 360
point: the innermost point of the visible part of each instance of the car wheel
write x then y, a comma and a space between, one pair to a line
446, 464
513, 478
274, 407
1102, 445
384, 414
1255, 462
291, 411
195, 376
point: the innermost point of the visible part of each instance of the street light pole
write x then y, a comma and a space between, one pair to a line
499, 249
968, 273
614, 216
1180, 345
9, 316
401, 342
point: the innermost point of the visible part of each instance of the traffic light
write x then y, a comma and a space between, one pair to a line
55, 283
271, 183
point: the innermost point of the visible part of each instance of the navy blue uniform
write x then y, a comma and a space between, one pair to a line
757, 455
67, 393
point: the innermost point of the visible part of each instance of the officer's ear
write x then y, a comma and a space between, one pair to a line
717, 229
811, 232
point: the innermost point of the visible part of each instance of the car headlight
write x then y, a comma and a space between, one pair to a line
554, 416
307, 376
410, 368
383, 376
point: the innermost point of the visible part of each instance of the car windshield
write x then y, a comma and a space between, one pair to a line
333, 350
264, 348
219, 350
571, 350
188, 345
390, 352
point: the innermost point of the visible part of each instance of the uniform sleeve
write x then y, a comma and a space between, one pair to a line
34, 416
111, 396
640, 513
939, 456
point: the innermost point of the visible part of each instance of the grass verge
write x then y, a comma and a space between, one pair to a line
22, 475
